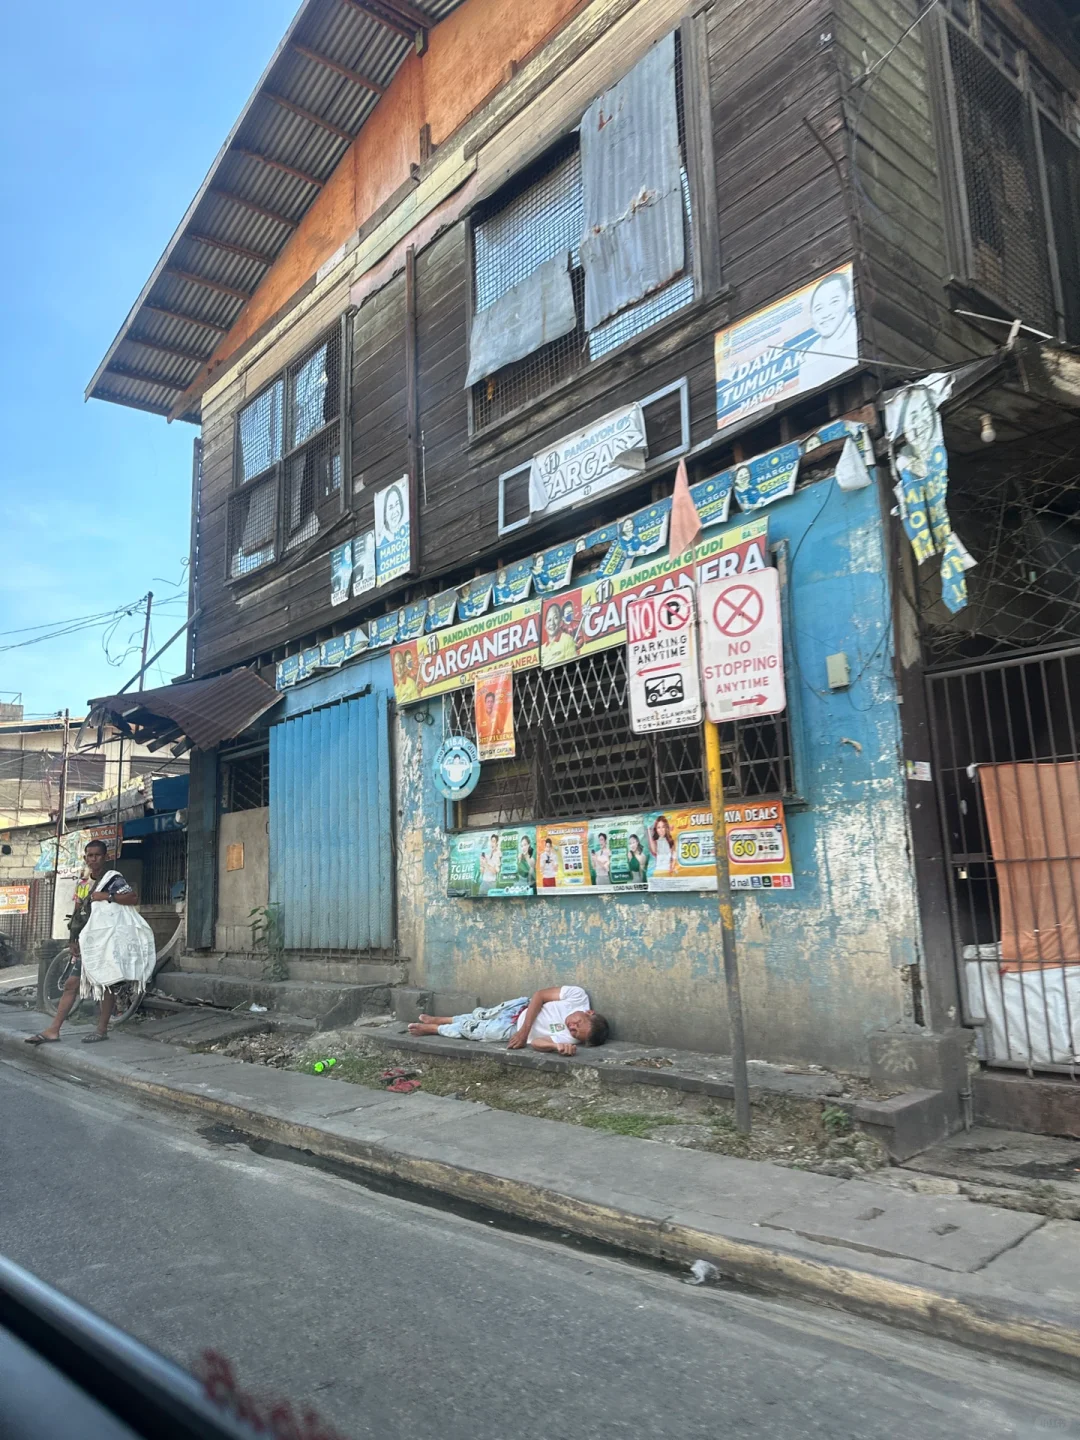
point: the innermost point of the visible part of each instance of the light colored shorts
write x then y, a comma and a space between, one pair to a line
493, 1023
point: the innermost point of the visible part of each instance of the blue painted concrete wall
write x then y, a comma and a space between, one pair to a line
822, 966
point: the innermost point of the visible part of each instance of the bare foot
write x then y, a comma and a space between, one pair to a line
435, 1019
423, 1029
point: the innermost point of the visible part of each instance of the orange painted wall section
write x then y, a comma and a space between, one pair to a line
469, 56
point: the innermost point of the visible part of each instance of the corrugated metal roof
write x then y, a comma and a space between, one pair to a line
262, 182
206, 711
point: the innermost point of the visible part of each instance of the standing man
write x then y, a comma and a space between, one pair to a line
116, 892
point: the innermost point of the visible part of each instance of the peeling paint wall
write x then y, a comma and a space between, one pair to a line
822, 966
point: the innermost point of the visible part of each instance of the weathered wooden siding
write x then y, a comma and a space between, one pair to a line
895, 184
782, 218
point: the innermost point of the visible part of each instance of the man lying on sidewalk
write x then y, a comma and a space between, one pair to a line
558, 1018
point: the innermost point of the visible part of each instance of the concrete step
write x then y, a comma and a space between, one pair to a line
253, 966
327, 1004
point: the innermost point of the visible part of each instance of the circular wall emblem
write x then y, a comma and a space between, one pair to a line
456, 767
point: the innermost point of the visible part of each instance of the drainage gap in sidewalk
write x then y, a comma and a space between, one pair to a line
454, 1205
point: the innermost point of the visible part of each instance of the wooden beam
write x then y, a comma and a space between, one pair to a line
309, 116
392, 16
230, 247
189, 319
280, 165
167, 349
274, 215
217, 285
338, 68
129, 372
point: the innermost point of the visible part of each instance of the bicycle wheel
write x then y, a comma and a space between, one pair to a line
128, 1000
61, 967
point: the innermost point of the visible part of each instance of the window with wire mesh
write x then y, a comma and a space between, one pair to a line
541, 214
246, 782
1018, 231
288, 460
1021, 518
577, 757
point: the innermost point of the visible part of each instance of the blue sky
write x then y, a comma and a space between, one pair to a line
110, 115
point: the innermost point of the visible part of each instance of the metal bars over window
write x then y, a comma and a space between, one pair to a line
288, 460
1016, 158
246, 782
538, 216
577, 757
1022, 519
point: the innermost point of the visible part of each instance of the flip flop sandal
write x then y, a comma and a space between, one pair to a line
93, 1039
41, 1040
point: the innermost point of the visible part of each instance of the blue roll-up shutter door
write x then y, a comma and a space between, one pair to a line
331, 827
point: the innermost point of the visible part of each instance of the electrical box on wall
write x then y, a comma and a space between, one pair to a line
837, 671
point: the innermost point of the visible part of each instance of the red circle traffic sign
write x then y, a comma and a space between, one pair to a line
738, 610
673, 611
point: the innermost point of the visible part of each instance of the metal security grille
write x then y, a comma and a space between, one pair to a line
246, 782
1022, 524
164, 866
1062, 158
539, 216
1007, 765
1009, 252
288, 460
577, 757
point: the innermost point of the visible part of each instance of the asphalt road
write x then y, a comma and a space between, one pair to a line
397, 1320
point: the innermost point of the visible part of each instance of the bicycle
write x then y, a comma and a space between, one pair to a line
62, 968
128, 998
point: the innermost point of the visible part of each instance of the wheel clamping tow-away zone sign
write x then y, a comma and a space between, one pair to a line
742, 648
661, 662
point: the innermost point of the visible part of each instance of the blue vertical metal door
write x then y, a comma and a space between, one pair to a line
331, 827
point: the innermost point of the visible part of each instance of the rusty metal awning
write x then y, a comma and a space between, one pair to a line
337, 59
202, 713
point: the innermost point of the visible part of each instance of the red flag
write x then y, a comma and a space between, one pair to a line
685, 522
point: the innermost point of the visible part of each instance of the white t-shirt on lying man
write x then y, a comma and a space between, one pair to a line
550, 1024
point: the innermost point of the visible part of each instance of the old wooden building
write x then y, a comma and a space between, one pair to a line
465, 285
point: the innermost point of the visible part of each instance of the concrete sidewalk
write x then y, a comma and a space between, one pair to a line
999, 1279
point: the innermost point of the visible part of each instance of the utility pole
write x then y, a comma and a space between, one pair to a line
60, 816
145, 639
739, 1074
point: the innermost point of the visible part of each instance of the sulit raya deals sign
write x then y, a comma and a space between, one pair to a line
798, 344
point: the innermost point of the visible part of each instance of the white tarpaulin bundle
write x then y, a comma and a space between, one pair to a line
1030, 1017
115, 945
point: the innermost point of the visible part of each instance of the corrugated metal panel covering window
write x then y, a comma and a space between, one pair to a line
541, 215
630, 163
331, 862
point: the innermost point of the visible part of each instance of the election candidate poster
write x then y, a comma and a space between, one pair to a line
392, 531
798, 344
363, 563
341, 568
495, 715
454, 658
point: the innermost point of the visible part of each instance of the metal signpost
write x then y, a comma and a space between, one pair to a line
742, 670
